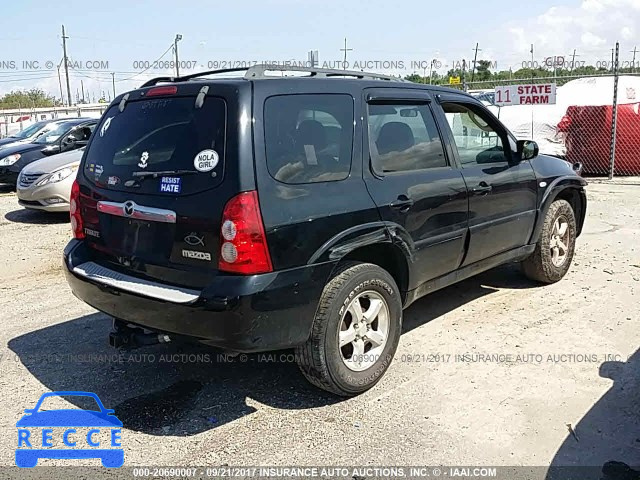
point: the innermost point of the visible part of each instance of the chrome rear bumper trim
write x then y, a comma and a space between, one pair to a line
98, 273
131, 209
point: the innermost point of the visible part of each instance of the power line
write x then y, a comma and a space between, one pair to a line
150, 64
25, 79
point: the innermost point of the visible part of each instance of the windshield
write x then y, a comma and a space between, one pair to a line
31, 130
159, 135
55, 134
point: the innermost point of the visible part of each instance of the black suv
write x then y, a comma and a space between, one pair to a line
266, 212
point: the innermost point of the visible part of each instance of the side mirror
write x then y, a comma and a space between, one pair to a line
52, 149
527, 149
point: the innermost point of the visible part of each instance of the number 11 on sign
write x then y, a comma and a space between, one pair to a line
503, 96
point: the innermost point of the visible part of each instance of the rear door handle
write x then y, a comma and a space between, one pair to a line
403, 203
483, 188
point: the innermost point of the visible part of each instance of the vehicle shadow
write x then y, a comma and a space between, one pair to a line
37, 217
605, 444
170, 389
184, 389
443, 301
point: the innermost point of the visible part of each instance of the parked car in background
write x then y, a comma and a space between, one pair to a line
46, 183
29, 134
68, 135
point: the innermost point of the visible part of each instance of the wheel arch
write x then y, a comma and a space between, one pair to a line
570, 189
387, 256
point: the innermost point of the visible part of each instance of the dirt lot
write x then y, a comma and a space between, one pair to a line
489, 372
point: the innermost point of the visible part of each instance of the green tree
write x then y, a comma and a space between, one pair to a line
415, 78
482, 70
33, 98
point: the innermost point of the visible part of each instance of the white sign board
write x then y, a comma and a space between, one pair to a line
542, 94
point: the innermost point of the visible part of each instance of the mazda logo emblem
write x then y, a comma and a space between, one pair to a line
128, 208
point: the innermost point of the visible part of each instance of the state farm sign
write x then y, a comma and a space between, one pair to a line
544, 94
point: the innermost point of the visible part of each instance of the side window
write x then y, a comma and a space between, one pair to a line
403, 138
477, 141
308, 138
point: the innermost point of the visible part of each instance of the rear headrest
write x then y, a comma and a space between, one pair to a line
311, 132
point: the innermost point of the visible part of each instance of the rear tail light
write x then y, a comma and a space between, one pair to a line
243, 241
74, 211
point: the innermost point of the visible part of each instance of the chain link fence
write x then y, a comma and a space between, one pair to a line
591, 119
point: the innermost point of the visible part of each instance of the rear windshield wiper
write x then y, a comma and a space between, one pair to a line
161, 173
138, 177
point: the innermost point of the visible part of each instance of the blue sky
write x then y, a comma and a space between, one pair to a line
122, 32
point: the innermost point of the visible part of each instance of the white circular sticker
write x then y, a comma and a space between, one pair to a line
206, 160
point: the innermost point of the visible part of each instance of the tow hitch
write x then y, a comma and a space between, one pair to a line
124, 336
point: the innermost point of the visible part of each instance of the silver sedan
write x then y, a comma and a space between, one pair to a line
46, 184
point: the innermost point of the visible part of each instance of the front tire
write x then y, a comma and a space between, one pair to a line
355, 332
554, 251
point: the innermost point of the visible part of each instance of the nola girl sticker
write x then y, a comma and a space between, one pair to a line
206, 160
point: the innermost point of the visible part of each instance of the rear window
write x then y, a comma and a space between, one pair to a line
309, 138
159, 135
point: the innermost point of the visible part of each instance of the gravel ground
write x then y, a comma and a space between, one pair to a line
492, 371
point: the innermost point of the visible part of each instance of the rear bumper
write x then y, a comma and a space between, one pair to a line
241, 313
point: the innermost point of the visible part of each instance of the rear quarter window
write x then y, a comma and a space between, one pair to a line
309, 138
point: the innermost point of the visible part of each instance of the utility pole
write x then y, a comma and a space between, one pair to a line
573, 60
66, 63
613, 52
345, 50
113, 82
475, 57
60, 83
175, 49
633, 62
532, 61
464, 68
82, 86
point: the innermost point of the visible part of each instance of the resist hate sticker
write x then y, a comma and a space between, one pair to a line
171, 184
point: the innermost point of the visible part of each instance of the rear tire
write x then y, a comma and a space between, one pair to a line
554, 251
355, 332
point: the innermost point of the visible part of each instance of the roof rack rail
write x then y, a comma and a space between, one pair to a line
258, 71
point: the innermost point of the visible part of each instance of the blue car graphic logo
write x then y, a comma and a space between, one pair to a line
36, 433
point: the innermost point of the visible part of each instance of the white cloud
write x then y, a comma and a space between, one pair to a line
591, 27
591, 40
